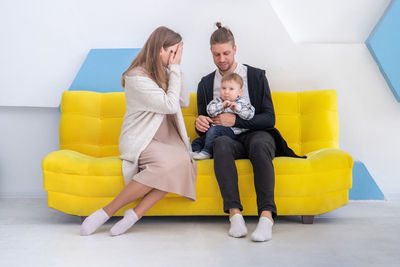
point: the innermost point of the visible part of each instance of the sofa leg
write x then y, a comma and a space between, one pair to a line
307, 219
83, 218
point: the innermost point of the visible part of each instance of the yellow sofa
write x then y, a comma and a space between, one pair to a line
85, 174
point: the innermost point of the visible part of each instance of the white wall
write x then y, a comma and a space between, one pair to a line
27, 135
327, 21
45, 42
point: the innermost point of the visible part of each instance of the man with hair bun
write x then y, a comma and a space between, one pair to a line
261, 143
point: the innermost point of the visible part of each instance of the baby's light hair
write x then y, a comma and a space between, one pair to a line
233, 77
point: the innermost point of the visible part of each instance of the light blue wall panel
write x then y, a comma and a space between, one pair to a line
102, 70
384, 45
364, 186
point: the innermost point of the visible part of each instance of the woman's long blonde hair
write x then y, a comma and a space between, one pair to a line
149, 56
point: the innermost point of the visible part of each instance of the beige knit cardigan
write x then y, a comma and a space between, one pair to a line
146, 106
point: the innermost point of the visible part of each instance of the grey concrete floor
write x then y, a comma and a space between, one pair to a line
360, 234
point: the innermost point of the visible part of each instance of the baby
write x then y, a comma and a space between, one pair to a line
229, 101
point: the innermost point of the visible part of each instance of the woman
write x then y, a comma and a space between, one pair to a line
154, 145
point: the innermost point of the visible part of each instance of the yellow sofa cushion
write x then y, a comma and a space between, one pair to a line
74, 173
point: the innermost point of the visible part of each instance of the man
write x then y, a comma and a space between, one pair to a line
260, 144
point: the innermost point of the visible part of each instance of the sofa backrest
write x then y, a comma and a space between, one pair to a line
91, 122
307, 120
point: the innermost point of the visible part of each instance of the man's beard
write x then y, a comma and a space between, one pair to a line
228, 68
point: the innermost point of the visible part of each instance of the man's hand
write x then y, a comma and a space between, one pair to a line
225, 119
203, 123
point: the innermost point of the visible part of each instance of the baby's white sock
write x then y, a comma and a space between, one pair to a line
238, 226
263, 230
201, 155
130, 218
93, 222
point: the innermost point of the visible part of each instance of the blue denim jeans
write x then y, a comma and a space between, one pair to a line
213, 132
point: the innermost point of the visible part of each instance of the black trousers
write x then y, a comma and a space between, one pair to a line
259, 147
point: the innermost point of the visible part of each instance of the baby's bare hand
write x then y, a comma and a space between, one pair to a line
226, 103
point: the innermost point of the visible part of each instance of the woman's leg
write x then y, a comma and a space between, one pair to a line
133, 191
130, 193
148, 201
131, 216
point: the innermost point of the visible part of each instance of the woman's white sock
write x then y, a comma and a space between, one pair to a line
130, 218
263, 230
93, 222
238, 226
